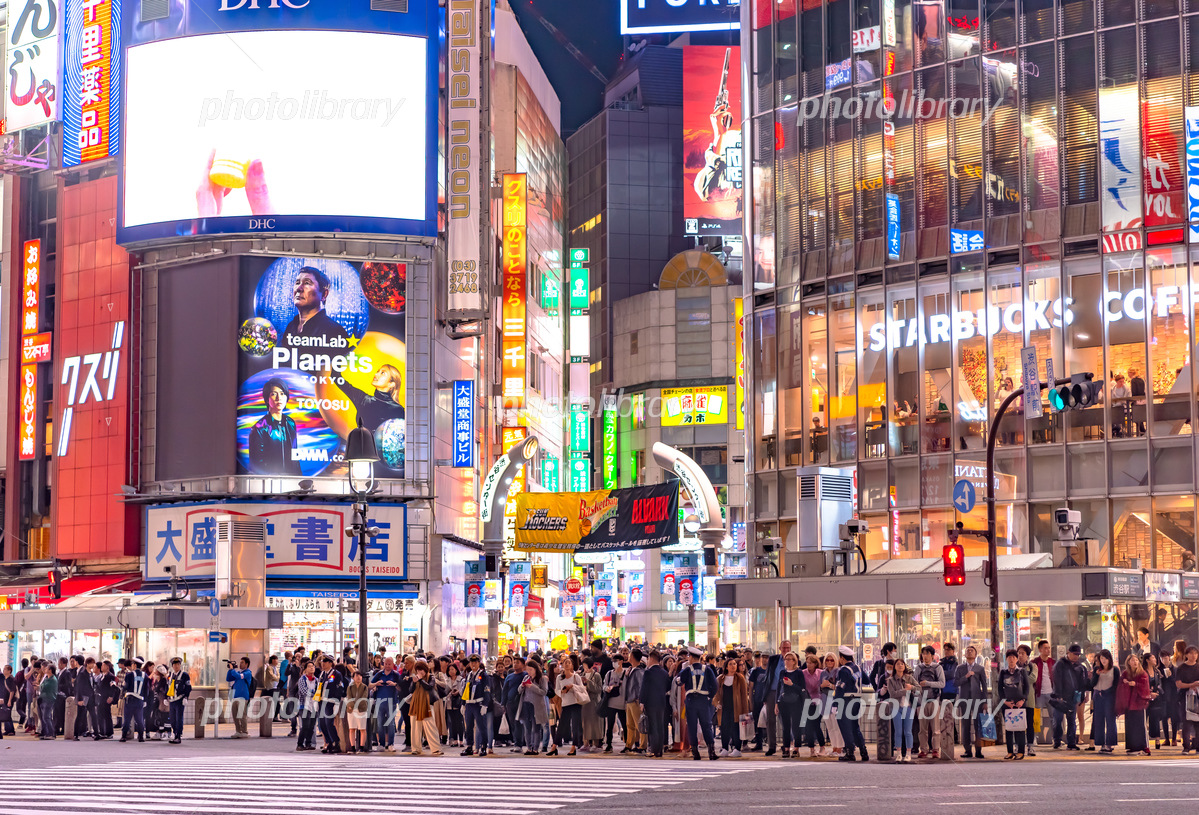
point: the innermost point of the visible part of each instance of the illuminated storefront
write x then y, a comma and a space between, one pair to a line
903, 261
929, 194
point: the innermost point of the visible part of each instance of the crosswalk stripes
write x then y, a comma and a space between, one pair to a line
267, 785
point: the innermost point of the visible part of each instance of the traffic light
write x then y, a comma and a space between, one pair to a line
1082, 392
55, 584
953, 558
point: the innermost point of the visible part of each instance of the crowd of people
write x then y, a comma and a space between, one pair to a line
651, 701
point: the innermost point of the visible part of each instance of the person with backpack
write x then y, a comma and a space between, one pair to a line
1013, 690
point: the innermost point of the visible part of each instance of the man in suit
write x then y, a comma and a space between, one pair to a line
329, 692
655, 701
137, 684
774, 678
179, 687
699, 688
66, 678
476, 698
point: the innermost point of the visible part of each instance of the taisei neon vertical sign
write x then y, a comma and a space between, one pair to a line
515, 284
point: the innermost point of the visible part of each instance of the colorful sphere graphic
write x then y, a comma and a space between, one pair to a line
389, 440
317, 446
345, 303
383, 284
257, 336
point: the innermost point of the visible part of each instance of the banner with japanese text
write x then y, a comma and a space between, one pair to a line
302, 540
598, 521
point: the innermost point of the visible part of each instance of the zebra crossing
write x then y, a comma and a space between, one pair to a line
268, 785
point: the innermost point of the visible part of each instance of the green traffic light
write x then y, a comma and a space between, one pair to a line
1055, 399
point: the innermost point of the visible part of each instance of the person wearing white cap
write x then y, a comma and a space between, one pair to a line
699, 684
849, 688
136, 686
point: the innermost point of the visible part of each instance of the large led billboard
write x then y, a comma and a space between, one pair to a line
314, 120
712, 175
676, 16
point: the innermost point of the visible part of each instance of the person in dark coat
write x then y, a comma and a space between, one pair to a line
1069, 682
655, 702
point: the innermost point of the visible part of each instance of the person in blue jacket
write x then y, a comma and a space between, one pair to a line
240, 681
849, 688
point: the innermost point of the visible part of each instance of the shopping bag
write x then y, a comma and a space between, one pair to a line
762, 717
986, 726
747, 727
1192, 703
505, 730
1015, 719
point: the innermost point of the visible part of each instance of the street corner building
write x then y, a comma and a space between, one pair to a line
948, 202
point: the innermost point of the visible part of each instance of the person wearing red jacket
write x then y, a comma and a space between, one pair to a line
1132, 698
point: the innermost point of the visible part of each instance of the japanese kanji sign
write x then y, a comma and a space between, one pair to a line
31, 56
31, 288
302, 540
27, 423
91, 80
464, 423
515, 285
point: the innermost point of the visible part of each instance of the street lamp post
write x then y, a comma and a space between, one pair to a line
361, 455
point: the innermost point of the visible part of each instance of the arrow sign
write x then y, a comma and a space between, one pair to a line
964, 497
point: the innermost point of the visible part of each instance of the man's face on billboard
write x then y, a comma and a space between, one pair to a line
306, 293
277, 402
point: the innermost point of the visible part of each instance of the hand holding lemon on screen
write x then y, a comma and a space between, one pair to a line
224, 173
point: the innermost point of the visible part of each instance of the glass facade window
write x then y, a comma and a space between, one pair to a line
983, 177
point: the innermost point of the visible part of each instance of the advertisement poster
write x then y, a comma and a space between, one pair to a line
1191, 129
519, 574
598, 521
688, 406
739, 359
712, 177
1120, 172
686, 579
321, 350
473, 583
667, 570
464, 294
1162, 174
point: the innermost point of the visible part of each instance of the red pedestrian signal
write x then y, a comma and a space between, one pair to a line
953, 558
55, 587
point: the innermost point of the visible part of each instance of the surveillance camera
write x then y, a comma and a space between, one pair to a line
1068, 523
769, 545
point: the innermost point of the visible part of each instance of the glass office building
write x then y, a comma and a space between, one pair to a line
937, 185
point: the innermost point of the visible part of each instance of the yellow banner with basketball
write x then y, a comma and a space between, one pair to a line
598, 521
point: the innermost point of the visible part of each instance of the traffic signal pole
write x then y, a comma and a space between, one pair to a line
992, 573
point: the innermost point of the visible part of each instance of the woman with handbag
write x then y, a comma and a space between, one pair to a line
1133, 696
573, 693
732, 703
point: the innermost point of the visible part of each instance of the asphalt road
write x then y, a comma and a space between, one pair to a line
263, 776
